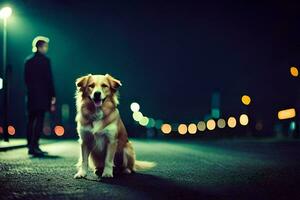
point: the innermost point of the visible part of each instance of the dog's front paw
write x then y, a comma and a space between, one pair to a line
80, 174
107, 172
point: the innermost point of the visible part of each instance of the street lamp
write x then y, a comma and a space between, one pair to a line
5, 13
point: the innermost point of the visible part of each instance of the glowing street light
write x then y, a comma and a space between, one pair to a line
5, 13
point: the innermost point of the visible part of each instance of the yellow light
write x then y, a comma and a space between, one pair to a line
231, 122
246, 100
221, 123
287, 114
244, 119
135, 107
201, 126
11, 130
192, 128
294, 71
182, 129
137, 116
59, 130
5, 12
144, 121
166, 128
211, 124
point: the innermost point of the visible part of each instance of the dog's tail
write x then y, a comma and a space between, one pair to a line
143, 165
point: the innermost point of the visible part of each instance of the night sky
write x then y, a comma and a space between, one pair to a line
170, 56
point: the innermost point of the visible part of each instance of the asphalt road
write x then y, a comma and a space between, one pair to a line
227, 169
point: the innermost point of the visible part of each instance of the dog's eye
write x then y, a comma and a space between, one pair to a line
92, 85
104, 85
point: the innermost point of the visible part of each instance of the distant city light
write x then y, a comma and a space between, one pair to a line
287, 113
5, 12
211, 124
259, 126
144, 121
293, 126
47, 130
137, 116
182, 129
231, 122
65, 112
11, 130
151, 123
244, 119
192, 128
59, 130
1, 83
158, 123
166, 128
221, 123
246, 100
294, 71
135, 107
201, 126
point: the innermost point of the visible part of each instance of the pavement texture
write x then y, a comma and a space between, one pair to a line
224, 169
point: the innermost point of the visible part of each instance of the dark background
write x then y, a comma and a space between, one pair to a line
170, 56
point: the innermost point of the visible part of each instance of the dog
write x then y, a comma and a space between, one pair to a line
102, 134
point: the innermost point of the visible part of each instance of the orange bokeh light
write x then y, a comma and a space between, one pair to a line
59, 130
11, 130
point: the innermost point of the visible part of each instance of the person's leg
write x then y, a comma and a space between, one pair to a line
38, 128
30, 129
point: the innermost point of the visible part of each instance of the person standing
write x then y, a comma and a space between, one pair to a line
40, 94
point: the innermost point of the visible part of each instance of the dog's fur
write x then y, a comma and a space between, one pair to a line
101, 131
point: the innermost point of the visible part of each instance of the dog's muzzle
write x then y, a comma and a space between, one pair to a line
97, 98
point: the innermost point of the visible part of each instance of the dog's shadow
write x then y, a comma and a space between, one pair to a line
156, 187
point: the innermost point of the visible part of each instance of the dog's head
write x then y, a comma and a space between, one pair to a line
98, 87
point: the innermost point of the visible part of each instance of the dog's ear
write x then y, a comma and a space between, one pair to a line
114, 83
82, 81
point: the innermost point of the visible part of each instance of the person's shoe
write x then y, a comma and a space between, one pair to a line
35, 153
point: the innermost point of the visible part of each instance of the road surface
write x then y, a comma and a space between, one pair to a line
225, 169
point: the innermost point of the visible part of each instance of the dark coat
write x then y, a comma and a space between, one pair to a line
39, 82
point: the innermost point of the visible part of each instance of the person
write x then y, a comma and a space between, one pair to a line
40, 94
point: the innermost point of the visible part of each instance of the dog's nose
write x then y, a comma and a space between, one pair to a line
97, 95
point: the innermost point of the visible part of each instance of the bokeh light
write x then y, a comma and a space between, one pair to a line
1, 129
11, 130
135, 107
231, 122
294, 71
221, 123
182, 129
59, 130
158, 123
259, 125
137, 116
151, 123
144, 121
244, 119
201, 126
246, 100
47, 130
192, 128
211, 124
166, 128
287, 113
5, 12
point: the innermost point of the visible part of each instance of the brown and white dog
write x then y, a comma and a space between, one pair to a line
101, 131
